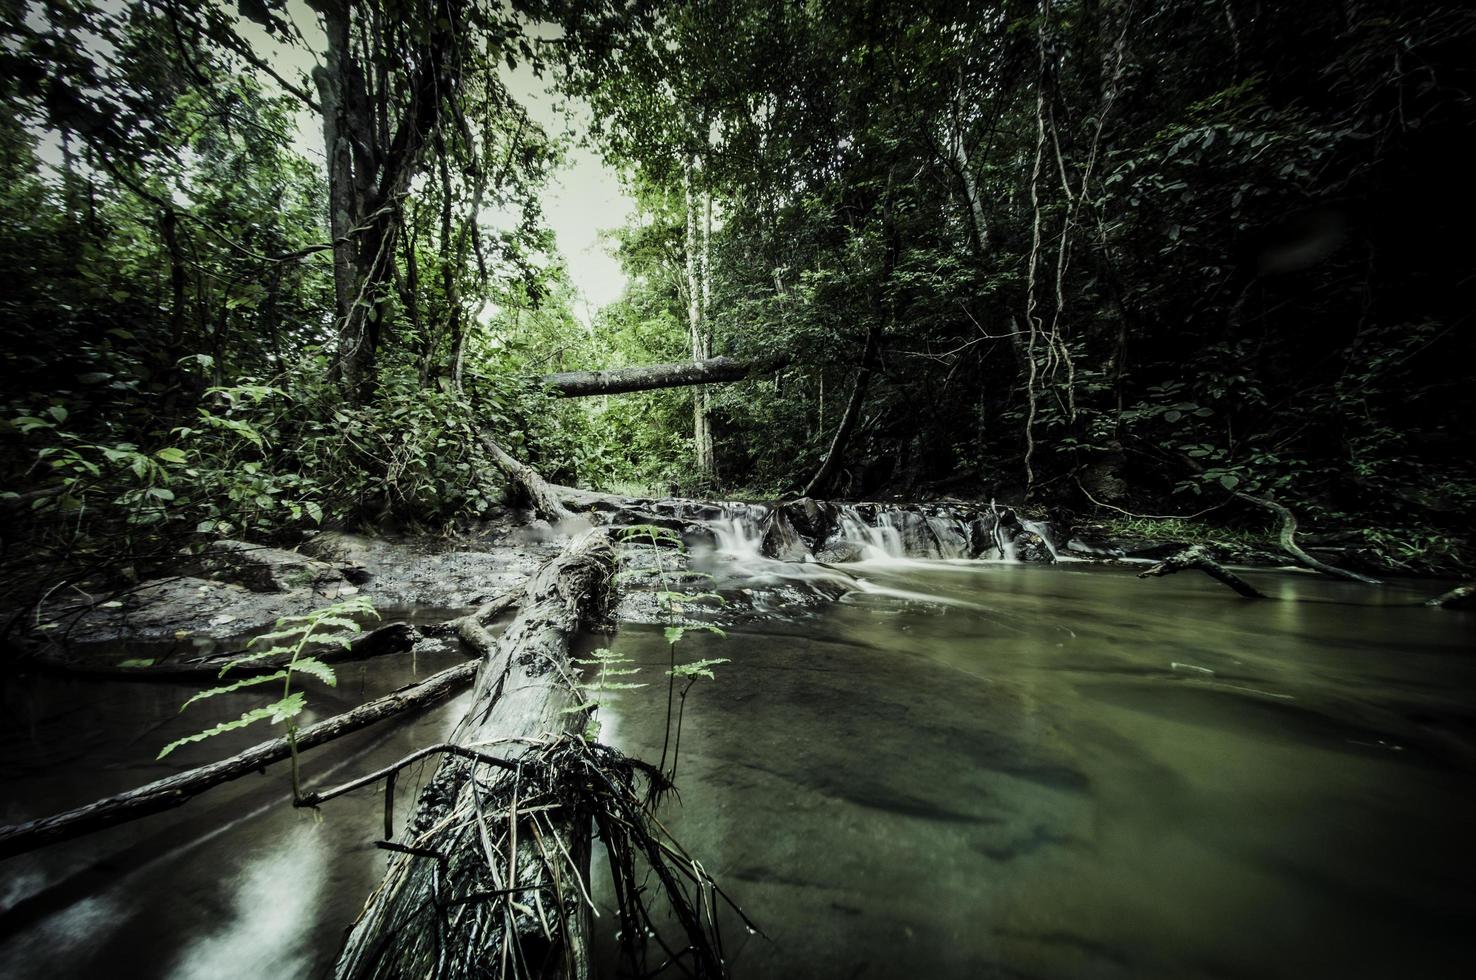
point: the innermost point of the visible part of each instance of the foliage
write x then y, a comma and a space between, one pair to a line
330, 627
1118, 252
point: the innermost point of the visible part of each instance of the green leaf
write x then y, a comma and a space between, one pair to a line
698, 668
228, 688
137, 662
58, 413
1229, 481
255, 715
289, 707
674, 634
314, 667
171, 454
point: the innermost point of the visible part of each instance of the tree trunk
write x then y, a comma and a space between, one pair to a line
173, 791
694, 325
480, 887
828, 469
544, 497
575, 384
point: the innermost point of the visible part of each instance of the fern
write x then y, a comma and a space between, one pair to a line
331, 626
254, 715
698, 668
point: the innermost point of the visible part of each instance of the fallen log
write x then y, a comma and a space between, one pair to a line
544, 496
173, 791
577, 384
489, 877
1198, 557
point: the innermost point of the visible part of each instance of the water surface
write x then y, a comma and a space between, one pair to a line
963, 770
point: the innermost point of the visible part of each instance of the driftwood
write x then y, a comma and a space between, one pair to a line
489, 877
1460, 597
173, 791
1198, 557
575, 384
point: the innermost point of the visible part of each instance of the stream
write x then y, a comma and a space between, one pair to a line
968, 769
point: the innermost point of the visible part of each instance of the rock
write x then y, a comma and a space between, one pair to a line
814, 520
917, 535
263, 569
780, 539
982, 543
1030, 546
837, 552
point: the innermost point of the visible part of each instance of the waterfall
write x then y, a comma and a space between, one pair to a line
880, 541
873, 532
1042, 531
737, 531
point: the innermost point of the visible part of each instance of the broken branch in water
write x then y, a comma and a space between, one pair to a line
1200, 558
1460, 597
173, 791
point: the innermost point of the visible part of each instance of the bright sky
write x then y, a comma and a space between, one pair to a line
585, 199
582, 200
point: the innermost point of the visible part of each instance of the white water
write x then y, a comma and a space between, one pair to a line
740, 536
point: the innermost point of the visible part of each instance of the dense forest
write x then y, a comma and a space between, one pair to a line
1098, 257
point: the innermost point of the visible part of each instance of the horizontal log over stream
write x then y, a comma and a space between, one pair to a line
575, 384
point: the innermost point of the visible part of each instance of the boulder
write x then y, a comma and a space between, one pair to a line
1030, 546
263, 569
780, 539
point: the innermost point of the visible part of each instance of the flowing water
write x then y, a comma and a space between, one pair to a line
967, 769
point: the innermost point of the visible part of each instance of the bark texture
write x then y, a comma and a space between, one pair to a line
480, 886
575, 384
543, 495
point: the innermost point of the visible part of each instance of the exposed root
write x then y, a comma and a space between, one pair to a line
502, 865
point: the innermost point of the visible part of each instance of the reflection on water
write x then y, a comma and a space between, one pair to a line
964, 770
265, 931
1067, 772
236, 883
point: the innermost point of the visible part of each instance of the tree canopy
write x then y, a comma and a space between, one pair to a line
280, 265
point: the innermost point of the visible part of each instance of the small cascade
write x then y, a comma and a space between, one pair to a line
952, 535
881, 540
738, 531
808, 531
